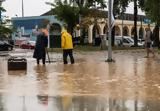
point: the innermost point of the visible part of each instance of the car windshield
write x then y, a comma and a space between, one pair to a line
130, 40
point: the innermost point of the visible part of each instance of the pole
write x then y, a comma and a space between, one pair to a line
110, 31
1, 12
49, 60
141, 29
0, 16
22, 9
48, 28
122, 26
135, 23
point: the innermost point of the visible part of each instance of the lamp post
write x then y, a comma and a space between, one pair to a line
1, 10
22, 9
141, 30
135, 23
122, 25
110, 23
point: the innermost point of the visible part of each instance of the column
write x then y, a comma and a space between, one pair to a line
130, 31
90, 35
138, 28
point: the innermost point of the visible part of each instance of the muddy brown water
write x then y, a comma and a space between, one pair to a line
131, 83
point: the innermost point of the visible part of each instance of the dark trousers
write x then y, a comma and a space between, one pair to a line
67, 52
43, 59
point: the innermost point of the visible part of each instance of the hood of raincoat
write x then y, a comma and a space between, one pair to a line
63, 31
66, 40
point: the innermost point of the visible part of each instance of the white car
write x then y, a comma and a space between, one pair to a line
127, 41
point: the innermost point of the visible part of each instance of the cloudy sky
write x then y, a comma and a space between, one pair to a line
33, 7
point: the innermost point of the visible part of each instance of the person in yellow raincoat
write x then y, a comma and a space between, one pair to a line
67, 46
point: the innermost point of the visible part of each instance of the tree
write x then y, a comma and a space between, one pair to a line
119, 8
68, 11
137, 3
135, 23
1, 10
4, 31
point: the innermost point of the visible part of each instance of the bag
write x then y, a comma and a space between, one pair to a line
17, 63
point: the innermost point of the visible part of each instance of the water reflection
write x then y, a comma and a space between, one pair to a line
42, 81
41, 72
43, 99
74, 103
132, 83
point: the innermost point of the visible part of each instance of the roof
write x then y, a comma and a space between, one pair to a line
103, 14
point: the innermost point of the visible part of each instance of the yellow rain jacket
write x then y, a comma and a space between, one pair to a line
66, 40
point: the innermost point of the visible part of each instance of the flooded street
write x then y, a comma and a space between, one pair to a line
131, 83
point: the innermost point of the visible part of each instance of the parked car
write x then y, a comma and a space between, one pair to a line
142, 41
127, 41
5, 46
28, 45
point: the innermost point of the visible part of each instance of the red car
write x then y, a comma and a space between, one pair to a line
28, 45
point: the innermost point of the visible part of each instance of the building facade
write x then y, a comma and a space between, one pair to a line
26, 25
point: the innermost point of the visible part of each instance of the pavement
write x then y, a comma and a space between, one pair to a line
131, 83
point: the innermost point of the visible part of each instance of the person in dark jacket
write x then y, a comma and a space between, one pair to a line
40, 47
156, 36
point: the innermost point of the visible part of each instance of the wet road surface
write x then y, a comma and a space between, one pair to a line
132, 83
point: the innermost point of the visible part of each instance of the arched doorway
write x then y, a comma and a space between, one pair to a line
105, 30
117, 31
84, 36
55, 36
125, 31
132, 32
55, 29
141, 33
96, 36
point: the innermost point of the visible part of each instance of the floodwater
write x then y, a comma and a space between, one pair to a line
131, 83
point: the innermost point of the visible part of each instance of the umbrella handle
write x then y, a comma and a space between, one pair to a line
47, 55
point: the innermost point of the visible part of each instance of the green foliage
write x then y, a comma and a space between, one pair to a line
4, 31
69, 11
152, 9
120, 6
2, 9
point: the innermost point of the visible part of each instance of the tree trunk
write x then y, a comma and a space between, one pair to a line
135, 23
113, 36
158, 41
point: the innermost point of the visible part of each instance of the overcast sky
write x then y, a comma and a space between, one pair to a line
34, 7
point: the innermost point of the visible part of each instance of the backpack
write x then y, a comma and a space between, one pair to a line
151, 36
